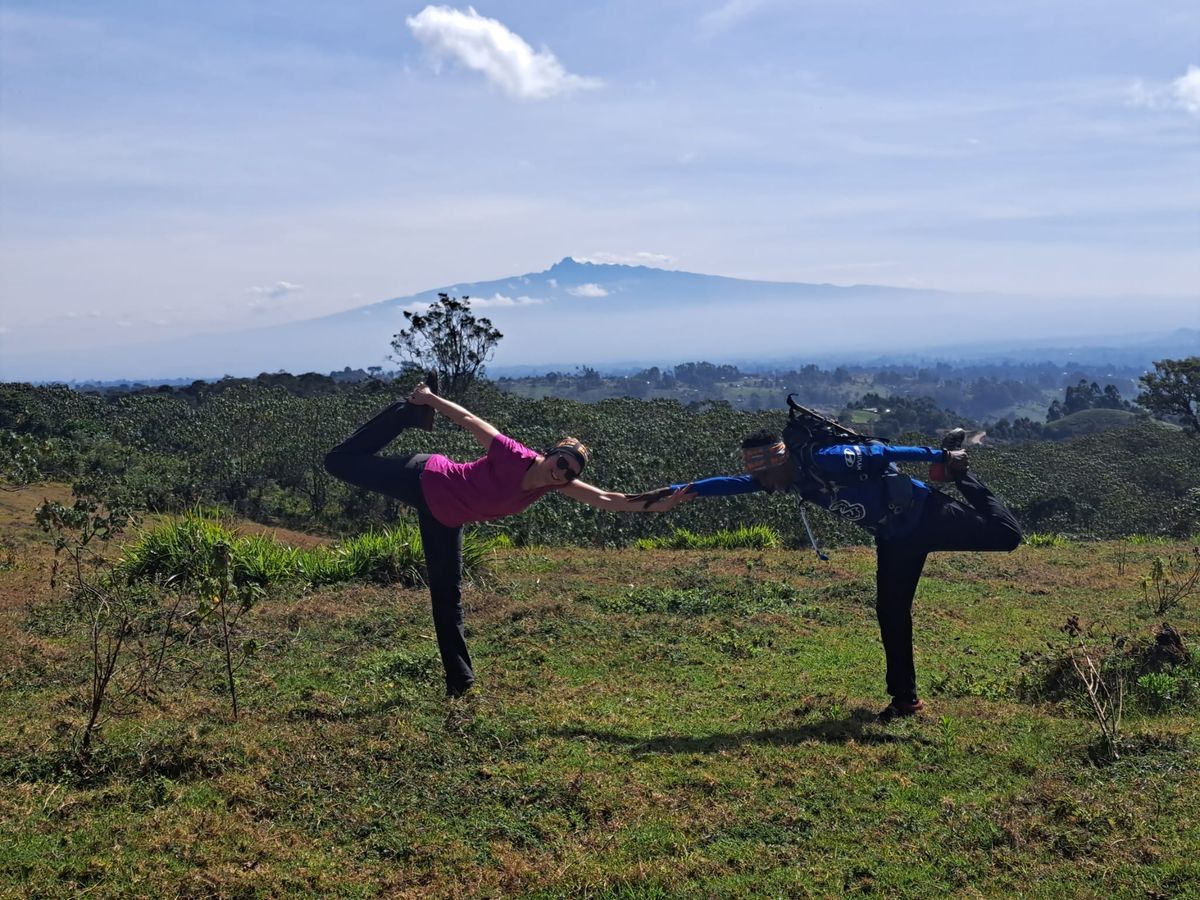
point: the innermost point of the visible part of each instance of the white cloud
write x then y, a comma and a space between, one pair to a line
553, 282
487, 46
1187, 90
267, 298
277, 291
640, 258
588, 290
1182, 93
501, 300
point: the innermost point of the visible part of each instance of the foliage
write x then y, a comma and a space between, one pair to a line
105, 613
22, 458
1171, 581
1083, 396
189, 550
1162, 690
749, 537
894, 416
1172, 390
256, 450
447, 338
1089, 421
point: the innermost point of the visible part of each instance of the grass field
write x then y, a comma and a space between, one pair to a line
649, 723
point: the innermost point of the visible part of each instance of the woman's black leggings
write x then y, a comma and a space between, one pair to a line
355, 460
945, 524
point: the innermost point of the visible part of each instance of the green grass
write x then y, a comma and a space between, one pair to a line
1045, 539
748, 537
649, 724
187, 549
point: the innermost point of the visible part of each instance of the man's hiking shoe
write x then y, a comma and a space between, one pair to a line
960, 438
456, 691
898, 709
953, 439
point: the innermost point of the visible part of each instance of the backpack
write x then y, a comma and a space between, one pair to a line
808, 430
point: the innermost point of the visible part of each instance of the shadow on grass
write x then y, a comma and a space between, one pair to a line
860, 726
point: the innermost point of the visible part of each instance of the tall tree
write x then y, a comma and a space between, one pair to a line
447, 338
1173, 390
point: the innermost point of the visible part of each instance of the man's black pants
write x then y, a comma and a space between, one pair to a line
945, 524
355, 460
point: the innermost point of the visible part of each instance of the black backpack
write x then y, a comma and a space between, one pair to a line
808, 430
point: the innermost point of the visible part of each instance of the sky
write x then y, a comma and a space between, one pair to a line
170, 168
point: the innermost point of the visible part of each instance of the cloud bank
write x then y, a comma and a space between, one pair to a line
488, 47
640, 258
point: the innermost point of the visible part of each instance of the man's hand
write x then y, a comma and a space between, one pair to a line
957, 463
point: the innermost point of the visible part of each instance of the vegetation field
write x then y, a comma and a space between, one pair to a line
648, 723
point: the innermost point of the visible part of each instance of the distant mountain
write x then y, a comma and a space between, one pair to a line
578, 313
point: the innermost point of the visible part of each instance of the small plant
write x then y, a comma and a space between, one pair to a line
1104, 684
949, 730
1171, 581
1160, 690
106, 612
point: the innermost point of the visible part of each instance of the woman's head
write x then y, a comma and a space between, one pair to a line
568, 458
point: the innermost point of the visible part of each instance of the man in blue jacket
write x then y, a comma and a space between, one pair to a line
909, 520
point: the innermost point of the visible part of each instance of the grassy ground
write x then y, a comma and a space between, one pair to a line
649, 724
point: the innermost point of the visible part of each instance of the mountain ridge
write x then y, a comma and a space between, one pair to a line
608, 313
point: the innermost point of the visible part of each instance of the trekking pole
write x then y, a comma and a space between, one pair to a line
811, 537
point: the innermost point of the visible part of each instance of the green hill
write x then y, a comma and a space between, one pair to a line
1090, 421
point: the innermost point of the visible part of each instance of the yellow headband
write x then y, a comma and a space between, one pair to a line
758, 458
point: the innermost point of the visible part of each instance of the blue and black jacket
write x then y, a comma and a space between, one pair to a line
850, 480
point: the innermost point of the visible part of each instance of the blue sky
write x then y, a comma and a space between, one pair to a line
167, 168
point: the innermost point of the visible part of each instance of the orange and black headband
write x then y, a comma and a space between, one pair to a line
574, 448
765, 457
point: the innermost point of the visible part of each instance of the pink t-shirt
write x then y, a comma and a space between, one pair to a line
488, 488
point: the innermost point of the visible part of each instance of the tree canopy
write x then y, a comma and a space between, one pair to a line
448, 339
1173, 390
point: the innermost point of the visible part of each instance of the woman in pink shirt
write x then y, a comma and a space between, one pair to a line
448, 494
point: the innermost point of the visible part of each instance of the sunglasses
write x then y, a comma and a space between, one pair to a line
565, 467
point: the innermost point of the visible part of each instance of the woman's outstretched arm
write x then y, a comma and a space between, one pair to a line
481, 430
615, 502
